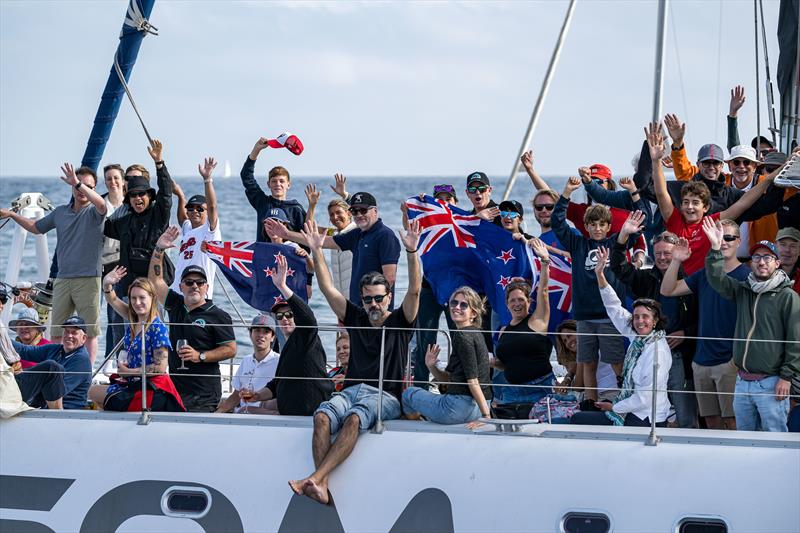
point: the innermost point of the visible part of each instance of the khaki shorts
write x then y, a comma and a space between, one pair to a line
76, 295
717, 378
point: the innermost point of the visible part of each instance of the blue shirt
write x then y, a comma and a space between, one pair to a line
371, 249
717, 318
156, 336
77, 369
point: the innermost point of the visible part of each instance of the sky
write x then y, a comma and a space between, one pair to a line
372, 88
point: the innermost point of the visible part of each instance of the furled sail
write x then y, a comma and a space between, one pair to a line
788, 75
135, 27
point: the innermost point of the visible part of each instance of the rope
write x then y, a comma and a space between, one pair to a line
130, 96
225, 290
719, 68
758, 86
680, 73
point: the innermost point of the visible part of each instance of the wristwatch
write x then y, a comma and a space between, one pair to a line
78, 185
202, 356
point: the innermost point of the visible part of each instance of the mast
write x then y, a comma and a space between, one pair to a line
134, 28
548, 77
661, 39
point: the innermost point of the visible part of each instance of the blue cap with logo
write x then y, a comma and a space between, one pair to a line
75, 321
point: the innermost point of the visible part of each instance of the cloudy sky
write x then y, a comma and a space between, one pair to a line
372, 88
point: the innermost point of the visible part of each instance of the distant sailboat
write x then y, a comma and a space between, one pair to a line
226, 171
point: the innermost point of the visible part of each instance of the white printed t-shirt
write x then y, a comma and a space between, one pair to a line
189, 253
255, 374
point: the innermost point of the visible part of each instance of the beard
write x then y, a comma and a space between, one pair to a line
375, 314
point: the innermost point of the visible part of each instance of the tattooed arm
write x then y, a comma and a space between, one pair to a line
154, 275
159, 364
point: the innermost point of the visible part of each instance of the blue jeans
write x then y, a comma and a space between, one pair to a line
756, 408
360, 400
506, 394
441, 408
115, 329
684, 402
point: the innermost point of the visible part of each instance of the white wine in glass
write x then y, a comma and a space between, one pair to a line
178, 345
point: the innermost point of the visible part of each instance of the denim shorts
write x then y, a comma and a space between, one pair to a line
441, 408
360, 400
505, 393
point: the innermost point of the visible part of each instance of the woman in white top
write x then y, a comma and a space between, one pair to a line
645, 330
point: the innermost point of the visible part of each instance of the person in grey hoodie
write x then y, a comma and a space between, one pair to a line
767, 311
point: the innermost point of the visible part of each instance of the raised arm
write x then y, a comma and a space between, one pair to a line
527, 164
28, 224
72, 180
206, 171
655, 142
273, 227
619, 316
313, 199
340, 186
540, 319
619, 262
670, 284
111, 279
177, 190
164, 181
335, 299
737, 101
683, 168
743, 204
431, 358
715, 263
155, 272
410, 240
255, 195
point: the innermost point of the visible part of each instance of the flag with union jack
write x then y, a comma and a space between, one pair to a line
458, 248
249, 266
560, 287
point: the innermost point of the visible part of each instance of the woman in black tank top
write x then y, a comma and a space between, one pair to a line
523, 349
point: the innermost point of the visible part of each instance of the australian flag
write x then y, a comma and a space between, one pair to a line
249, 266
458, 248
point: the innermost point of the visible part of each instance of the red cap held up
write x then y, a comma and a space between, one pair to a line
287, 140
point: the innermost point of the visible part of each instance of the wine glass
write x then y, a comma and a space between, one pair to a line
178, 345
247, 394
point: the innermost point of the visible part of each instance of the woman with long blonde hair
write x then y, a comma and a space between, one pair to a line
141, 313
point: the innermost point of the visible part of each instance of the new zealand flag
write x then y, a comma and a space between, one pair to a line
458, 248
249, 266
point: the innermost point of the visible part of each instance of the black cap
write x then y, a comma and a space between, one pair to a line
480, 177
278, 214
75, 322
138, 183
512, 205
756, 142
197, 199
194, 269
363, 198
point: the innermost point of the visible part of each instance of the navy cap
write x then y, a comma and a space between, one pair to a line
479, 177
194, 269
75, 322
765, 244
363, 198
511, 205
276, 213
197, 199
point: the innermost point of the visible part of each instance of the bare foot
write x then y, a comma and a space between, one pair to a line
297, 486
316, 492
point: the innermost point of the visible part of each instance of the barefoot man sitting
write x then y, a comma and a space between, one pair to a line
355, 408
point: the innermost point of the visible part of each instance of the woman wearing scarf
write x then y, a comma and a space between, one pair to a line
645, 330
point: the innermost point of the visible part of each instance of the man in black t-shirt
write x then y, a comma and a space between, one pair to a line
206, 328
355, 407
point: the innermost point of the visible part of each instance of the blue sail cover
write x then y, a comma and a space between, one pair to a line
133, 31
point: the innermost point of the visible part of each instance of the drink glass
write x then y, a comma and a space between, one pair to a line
247, 394
178, 345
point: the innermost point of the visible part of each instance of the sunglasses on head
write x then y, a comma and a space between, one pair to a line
193, 282
509, 214
459, 304
377, 299
137, 194
198, 208
542, 207
477, 188
665, 238
729, 238
444, 189
283, 314
359, 211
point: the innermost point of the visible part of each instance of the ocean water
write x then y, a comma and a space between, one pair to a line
238, 222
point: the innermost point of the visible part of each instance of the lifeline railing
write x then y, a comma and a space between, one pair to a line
651, 440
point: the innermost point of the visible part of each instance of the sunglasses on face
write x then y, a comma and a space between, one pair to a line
137, 194
479, 188
729, 238
766, 258
509, 214
444, 189
198, 208
377, 299
459, 304
711, 163
542, 207
358, 211
193, 282
740, 162
284, 314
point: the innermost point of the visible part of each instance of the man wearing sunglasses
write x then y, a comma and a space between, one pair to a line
354, 409
206, 328
199, 223
479, 192
79, 229
375, 247
147, 216
767, 309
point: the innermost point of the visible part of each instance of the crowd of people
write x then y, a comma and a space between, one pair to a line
665, 274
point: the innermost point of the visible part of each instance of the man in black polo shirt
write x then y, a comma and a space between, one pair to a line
375, 247
205, 327
355, 408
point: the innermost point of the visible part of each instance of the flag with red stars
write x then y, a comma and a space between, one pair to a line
458, 248
249, 266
